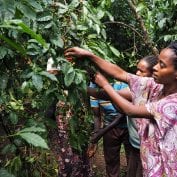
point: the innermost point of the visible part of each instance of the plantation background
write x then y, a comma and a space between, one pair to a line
31, 31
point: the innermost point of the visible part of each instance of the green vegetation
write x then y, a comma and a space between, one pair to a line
32, 31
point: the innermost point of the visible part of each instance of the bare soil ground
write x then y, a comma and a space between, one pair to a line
98, 163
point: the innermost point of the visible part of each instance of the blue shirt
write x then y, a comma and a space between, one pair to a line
109, 110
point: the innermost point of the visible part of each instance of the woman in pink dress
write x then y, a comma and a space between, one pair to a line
154, 102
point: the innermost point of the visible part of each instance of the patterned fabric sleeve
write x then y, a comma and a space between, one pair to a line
165, 113
143, 89
136, 83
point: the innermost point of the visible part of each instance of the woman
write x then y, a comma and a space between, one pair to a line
154, 99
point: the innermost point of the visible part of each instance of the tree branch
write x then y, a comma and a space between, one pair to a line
146, 38
129, 26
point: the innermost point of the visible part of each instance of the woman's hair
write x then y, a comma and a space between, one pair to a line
151, 60
173, 46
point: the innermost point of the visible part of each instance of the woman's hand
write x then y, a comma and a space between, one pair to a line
100, 80
77, 52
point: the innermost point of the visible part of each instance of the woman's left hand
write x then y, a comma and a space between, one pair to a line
100, 80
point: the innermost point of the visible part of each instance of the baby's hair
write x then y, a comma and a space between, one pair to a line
173, 46
151, 60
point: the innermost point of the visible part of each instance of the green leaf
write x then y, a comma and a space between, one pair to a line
69, 77
162, 23
140, 7
45, 18
5, 173
34, 139
81, 27
50, 76
74, 4
27, 30
57, 41
16, 46
16, 164
32, 129
33, 49
35, 5
37, 82
63, 8
4, 79
13, 118
111, 18
74, 16
100, 14
167, 37
65, 67
3, 52
10, 148
97, 28
78, 78
48, 25
115, 51
27, 10
7, 9
38, 37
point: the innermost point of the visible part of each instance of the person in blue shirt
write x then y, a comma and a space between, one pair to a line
112, 126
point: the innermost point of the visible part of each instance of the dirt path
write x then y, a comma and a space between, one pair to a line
98, 163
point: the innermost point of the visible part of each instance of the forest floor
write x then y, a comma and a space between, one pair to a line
98, 163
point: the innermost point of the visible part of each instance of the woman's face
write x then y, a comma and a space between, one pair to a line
164, 72
143, 69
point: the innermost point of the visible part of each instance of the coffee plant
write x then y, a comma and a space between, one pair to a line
31, 32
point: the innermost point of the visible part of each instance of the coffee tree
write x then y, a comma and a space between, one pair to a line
33, 31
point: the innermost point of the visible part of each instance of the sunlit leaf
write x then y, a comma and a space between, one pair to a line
44, 18
69, 77
34, 140
32, 129
37, 82
50, 76
115, 51
140, 7
78, 78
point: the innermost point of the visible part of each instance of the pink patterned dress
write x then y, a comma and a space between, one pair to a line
158, 136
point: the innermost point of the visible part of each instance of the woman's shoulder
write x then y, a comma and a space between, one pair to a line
132, 78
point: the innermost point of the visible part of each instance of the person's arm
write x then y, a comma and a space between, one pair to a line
109, 68
126, 106
101, 94
97, 118
97, 135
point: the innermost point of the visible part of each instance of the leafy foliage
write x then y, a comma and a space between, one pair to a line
31, 32
27, 89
